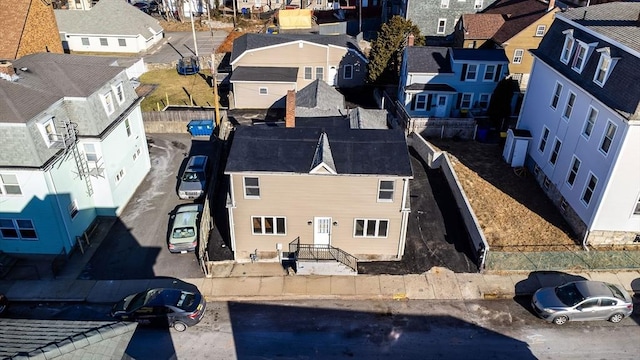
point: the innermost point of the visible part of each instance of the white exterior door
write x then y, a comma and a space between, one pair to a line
441, 106
322, 231
332, 76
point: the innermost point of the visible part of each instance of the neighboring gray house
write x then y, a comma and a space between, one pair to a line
266, 66
73, 148
435, 18
110, 26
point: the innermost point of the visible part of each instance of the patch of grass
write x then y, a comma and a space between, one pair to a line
176, 89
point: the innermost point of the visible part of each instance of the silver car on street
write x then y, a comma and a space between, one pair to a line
582, 301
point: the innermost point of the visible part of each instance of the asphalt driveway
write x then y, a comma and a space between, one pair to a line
136, 246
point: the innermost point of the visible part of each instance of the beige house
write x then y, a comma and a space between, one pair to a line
330, 190
265, 66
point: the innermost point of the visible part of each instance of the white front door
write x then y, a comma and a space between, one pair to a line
332, 75
322, 231
441, 106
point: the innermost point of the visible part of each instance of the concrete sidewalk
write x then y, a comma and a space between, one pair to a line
267, 281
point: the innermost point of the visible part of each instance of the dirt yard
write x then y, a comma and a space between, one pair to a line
512, 210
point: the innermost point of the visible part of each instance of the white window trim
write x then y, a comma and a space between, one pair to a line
344, 72
304, 74
426, 97
553, 96
316, 73
520, 57
540, 29
555, 152
587, 122
392, 191
566, 106
49, 139
3, 185
604, 54
106, 104
120, 175
574, 65
136, 154
568, 37
493, 74
244, 187
470, 101
82, 41
475, 77
575, 177
115, 91
444, 4
586, 187
478, 4
275, 225
444, 26
604, 136
73, 209
488, 100
364, 230
266, 91
127, 127
544, 139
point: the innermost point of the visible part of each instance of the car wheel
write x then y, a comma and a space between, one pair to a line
560, 320
179, 326
616, 318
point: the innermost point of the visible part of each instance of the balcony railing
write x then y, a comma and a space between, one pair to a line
319, 252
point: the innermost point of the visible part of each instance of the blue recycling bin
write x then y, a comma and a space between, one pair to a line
200, 127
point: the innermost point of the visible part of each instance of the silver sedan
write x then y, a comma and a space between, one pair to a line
582, 301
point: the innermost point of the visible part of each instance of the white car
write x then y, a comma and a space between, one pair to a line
183, 236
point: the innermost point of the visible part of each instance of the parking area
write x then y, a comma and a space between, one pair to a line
136, 245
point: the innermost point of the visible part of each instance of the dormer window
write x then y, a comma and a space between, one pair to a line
605, 65
48, 130
119, 91
567, 47
107, 101
580, 57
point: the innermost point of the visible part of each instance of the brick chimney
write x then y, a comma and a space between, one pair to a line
410, 39
552, 4
6, 67
290, 110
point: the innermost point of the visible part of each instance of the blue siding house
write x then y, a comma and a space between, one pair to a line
444, 82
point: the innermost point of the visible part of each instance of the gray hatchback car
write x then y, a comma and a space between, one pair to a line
582, 301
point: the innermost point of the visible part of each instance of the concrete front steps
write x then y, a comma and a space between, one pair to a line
323, 267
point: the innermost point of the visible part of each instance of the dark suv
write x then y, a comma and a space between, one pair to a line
172, 307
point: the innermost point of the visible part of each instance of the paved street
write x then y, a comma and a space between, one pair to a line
178, 44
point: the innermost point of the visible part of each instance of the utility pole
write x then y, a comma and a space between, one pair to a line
359, 17
214, 83
193, 29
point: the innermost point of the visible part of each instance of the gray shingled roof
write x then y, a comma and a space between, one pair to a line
478, 55
361, 118
319, 95
621, 91
617, 21
252, 41
47, 339
431, 87
50, 77
260, 73
292, 150
108, 17
428, 59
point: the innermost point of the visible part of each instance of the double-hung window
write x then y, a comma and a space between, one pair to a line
104, 42
604, 68
127, 127
421, 101
568, 109
465, 101
269, 225
251, 188
587, 194
442, 26
107, 101
119, 90
371, 228
22, 229
347, 72
308, 73
489, 73
580, 57
472, 72
567, 47
85, 41
556, 96
517, 56
320, 73
90, 152
122, 42
540, 29
9, 185
385, 190
556, 150
543, 139
483, 102
607, 139
573, 172
590, 122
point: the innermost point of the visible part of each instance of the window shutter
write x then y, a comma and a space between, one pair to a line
429, 97
459, 101
413, 102
498, 73
463, 76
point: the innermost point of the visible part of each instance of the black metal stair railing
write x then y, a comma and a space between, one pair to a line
318, 252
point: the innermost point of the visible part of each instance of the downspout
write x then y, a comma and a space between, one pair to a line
52, 186
405, 218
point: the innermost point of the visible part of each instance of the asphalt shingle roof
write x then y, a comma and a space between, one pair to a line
252, 41
621, 92
11, 35
479, 55
481, 26
50, 77
319, 95
260, 73
428, 59
109, 17
292, 150
518, 15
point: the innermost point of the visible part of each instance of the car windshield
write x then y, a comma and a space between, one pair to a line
191, 176
569, 294
186, 299
183, 232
